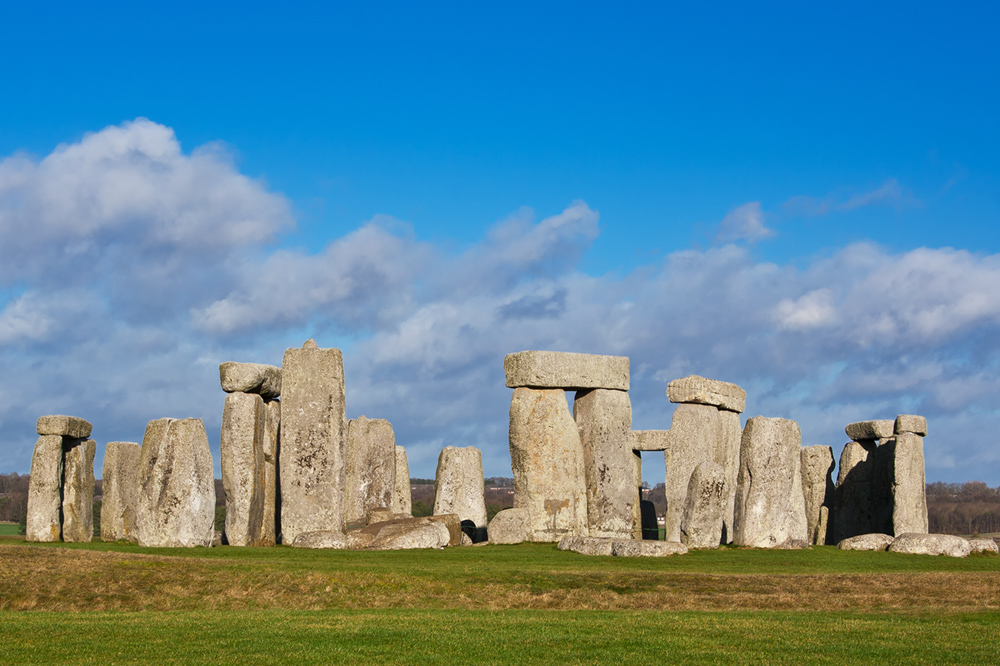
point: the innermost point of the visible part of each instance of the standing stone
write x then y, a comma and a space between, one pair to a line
313, 429
370, 464
909, 499
242, 449
44, 513
705, 507
695, 437
910, 423
176, 506
728, 456
270, 530
401, 498
458, 488
604, 419
817, 488
120, 491
547, 462
78, 490
264, 380
770, 507
509, 526
854, 513
565, 370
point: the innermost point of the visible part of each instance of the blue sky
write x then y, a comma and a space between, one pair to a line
801, 200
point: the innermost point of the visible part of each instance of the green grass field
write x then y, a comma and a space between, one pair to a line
8, 529
120, 604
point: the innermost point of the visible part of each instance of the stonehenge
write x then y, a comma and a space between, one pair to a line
61, 487
120, 492
458, 489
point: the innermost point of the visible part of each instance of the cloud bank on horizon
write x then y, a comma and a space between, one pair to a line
129, 270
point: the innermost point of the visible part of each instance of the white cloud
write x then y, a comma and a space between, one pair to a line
744, 222
889, 193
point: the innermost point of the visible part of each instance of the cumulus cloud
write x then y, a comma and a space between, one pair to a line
744, 222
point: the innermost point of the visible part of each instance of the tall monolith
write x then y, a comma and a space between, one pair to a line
120, 491
401, 497
370, 464
459, 488
817, 489
78, 490
244, 422
705, 507
695, 438
270, 531
44, 513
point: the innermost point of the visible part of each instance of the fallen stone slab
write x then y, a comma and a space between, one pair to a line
44, 512
586, 545
566, 370
459, 487
649, 440
404, 535
876, 542
703, 391
870, 430
983, 545
508, 527
930, 544
911, 423
78, 490
120, 491
65, 426
637, 548
370, 469
705, 507
450, 522
264, 380
321, 539
401, 497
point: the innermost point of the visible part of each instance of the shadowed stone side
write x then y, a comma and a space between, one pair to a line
370, 469
459, 487
703, 391
401, 497
909, 498
44, 513
78, 490
728, 455
695, 437
120, 491
64, 426
854, 513
565, 370
242, 458
705, 507
264, 380
270, 530
817, 488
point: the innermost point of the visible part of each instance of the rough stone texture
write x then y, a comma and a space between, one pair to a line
910, 423
823, 528
909, 498
930, 544
264, 380
855, 493
321, 539
78, 490
381, 515
604, 420
401, 498
44, 513
176, 499
313, 428
793, 544
873, 541
702, 391
402, 536
370, 469
649, 440
983, 545
817, 488
695, 437
459, 487
120, 491
770, 506
586, 545
564, 370
244, 422
728, 455
509, 526
547, 462
64, 426
705, 507
270, 531
869, 430
635, 548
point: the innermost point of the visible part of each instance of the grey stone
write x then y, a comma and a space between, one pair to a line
381, 515
793, 544
244, 421
817, 488
910, 423
855, 493
823, 528
909, 498
313, 432
44, 512
509, 526
547, 462
264, 380
78, 490
728, 455
401, 498
321, 539
407, 536
649, 440
269, 531
217, 538
176, 499
874, 541
604, 420
458, 487
705, 507
636, 548
930, 544
586, 545
564, 370
370, 468
702, 391
310, 344
869, 430
695, 437
120, 491
770, 506
65, 426
983, 545
466, 540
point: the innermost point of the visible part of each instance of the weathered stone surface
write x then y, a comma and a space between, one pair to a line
695, 437
793, 544
244, 421
910, 423
817, 488
458, 487
702, 391
270, 531
406, 536
449, 520
564, 370
381, 515
930, 544
120, 491
873, 541
636, 548
909, 498
176, 499
401, 498
370, 468
983, 545
547, 462
78, 490
65, 426
649, 440
770, 506
311, 465
321, 539
604, 420
869, 430
264, 380
855, 493
509, 526
823, 528
44, 513
728, 455
705, 507
586, 545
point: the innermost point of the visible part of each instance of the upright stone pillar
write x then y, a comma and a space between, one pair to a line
854, 514
44, 515
313, 433
244, 422
817, 488
695, 438
120, 491
78, 490
370, 469
270, 531
705, 507
458, 489
909, 512
401, 498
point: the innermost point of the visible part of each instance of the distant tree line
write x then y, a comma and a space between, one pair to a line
963, 508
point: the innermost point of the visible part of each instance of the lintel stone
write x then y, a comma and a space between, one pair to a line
566, 370
703, 391
869, 430
264, 380
649, 440
66, 426
911, 423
